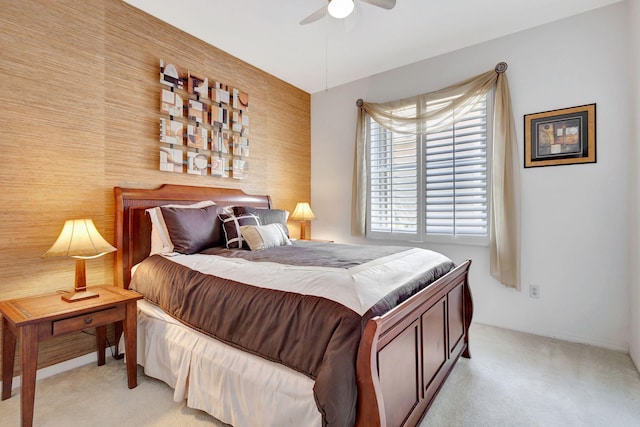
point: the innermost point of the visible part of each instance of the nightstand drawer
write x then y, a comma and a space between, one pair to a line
89, 320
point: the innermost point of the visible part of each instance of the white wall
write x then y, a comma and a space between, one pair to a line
634, 14
575, 242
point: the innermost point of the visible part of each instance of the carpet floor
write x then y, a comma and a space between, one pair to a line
512, 379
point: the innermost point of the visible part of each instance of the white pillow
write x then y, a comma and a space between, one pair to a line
264, 236
160, 240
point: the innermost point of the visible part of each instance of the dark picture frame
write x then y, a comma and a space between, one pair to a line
560, 137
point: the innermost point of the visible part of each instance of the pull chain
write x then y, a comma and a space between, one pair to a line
326, 52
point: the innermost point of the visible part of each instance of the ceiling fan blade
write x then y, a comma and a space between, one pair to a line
318, 14
385, 4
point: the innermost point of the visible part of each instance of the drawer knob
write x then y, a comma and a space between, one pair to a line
88, 320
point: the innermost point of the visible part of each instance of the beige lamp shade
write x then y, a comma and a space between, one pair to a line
302, 212
79, 238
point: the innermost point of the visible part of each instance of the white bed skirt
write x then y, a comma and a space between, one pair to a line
233, 386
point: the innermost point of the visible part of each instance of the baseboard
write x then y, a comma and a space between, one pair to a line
569, 338
61, 367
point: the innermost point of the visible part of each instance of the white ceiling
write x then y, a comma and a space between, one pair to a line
331, 52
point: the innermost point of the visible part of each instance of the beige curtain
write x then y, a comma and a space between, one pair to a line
505, 206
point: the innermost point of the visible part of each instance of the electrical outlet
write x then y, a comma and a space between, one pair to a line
534, 291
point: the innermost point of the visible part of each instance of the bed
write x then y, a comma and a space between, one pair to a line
402, 356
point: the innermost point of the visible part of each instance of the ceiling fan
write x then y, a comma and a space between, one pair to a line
343, 8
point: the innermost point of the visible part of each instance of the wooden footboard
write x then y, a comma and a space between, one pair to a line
406, 355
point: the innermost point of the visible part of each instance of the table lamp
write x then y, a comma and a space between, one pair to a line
81, 240
303, 213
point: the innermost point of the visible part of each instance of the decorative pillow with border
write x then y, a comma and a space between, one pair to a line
160, 240
231, 228
260, 237
191, 230
267, 216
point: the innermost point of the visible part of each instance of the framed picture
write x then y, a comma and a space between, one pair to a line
560, 137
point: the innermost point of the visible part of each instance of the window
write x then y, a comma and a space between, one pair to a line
431, 185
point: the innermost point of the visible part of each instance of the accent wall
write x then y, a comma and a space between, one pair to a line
80, 96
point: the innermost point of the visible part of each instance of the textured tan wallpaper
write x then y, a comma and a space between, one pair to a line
79, 114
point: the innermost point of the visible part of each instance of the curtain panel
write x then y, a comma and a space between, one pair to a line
504, 228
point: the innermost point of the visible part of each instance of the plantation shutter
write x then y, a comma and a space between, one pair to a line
456, 175
393, 179
440, 176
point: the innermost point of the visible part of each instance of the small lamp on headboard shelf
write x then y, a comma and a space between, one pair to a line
303, 213
81, 240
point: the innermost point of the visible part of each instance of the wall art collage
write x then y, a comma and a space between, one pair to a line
204, 126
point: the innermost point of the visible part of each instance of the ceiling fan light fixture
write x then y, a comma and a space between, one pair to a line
340, 8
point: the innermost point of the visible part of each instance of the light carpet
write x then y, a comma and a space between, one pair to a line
513, 379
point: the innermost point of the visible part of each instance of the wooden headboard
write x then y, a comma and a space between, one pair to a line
133, 226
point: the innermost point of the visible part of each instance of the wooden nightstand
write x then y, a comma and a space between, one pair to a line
38, 318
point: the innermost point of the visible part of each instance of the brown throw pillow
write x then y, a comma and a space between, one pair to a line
191, 230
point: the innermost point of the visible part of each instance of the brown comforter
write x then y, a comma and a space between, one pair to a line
313, 335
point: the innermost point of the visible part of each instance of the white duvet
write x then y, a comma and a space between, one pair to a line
357, 288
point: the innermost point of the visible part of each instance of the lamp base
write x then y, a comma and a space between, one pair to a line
80, 292
79, 296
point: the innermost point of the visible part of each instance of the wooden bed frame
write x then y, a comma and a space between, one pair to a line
404, 356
